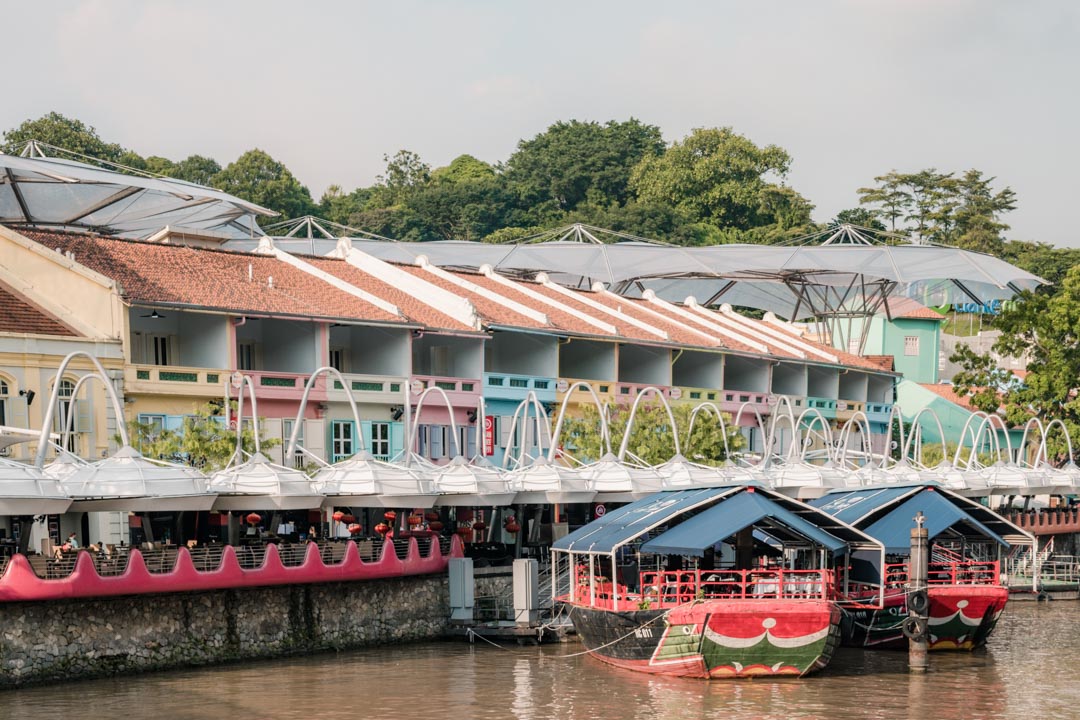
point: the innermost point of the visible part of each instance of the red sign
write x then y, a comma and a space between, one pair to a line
600, 511
489, 435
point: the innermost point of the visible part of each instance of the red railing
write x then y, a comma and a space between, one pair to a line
964, 572
667, 589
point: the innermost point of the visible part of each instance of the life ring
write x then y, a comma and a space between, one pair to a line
919, 602
914, 628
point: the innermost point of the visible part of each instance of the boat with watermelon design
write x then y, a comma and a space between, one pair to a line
738, 581
966, 591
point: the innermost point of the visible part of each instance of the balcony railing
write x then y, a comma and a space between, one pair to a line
174, 380
368, 388
461, 391
507, 386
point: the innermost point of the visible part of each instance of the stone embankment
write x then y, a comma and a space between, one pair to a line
66, 639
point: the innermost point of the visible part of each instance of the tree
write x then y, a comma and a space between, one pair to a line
1045, 329
650, 438
978, 211
203, 442
259, 178
197, 169
862, 217
464, 169
566, 161
63, 132
890, 195
719, 177
405, 173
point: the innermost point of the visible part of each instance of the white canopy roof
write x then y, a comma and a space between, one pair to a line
129, 481
67, 194
25, 490
259, 484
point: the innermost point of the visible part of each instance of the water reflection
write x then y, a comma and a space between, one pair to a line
1030, 671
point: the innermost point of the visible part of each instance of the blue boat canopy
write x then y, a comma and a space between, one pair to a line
628, 522
887, 514
725, 519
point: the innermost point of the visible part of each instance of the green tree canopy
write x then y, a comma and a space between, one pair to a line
1044, 328
561, 164
259, 178
63, 132
650, 438
719, 177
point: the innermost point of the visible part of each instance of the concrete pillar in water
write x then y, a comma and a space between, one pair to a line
916, 627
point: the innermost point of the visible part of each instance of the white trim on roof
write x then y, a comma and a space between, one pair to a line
521, 309
267, 247
784, 325
769, 330
583, 298
444, 301
685, 314
487, 271
599, 288
721, 319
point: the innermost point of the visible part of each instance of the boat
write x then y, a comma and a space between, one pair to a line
720, 582
965, 593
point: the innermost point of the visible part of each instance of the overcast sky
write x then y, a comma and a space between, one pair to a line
851, 89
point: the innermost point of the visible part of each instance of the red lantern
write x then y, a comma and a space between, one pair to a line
464, 531
511, 525
390, 516
348, 519
435, 526
253, 519
338, 516
355, 529
431, 516
479, 526
415, 520
382, 529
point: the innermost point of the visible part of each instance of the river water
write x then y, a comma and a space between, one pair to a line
1030, 671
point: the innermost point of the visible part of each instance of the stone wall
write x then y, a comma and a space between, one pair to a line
66, 639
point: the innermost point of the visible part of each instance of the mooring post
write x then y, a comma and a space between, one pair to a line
916, 627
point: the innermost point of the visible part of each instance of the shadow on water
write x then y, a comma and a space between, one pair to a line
1030, 671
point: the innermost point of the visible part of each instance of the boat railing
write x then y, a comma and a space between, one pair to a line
292, 554
160, 560
671, 588
963, 572
445, 543
401, 547
207, 558
250, 557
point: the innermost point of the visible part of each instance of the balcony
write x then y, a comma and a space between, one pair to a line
377, 389
732, 400
270, 385
878, 412
506, 386
845, 409
825, 406
626, 392
462, 392
604, 389
174, 380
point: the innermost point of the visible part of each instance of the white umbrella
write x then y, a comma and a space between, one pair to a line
128, 481
472, 484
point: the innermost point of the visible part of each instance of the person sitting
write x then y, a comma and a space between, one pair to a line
72, 542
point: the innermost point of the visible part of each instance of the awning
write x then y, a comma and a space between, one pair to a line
734, 514
628, 522
894, 530
887, 514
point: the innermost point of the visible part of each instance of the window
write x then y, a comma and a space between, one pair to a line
160, 344
911, 345
380, 440
337, 359
66, 408
4, 390
297, 460
245, 356
436, 434
342, 434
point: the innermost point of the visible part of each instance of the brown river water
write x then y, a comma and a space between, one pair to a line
1030, 671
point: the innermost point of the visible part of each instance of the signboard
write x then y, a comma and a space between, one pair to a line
675, 393
841, 405
489, 435
417, 386
600, 511
236, 379
562, 386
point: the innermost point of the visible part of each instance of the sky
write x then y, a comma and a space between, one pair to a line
850, 88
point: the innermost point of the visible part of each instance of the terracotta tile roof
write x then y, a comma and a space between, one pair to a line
491, 312
948, 392
414, 310
19, 316
218, 279
903, 308
885, 362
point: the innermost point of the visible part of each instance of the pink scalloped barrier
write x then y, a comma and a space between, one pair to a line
20, 583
